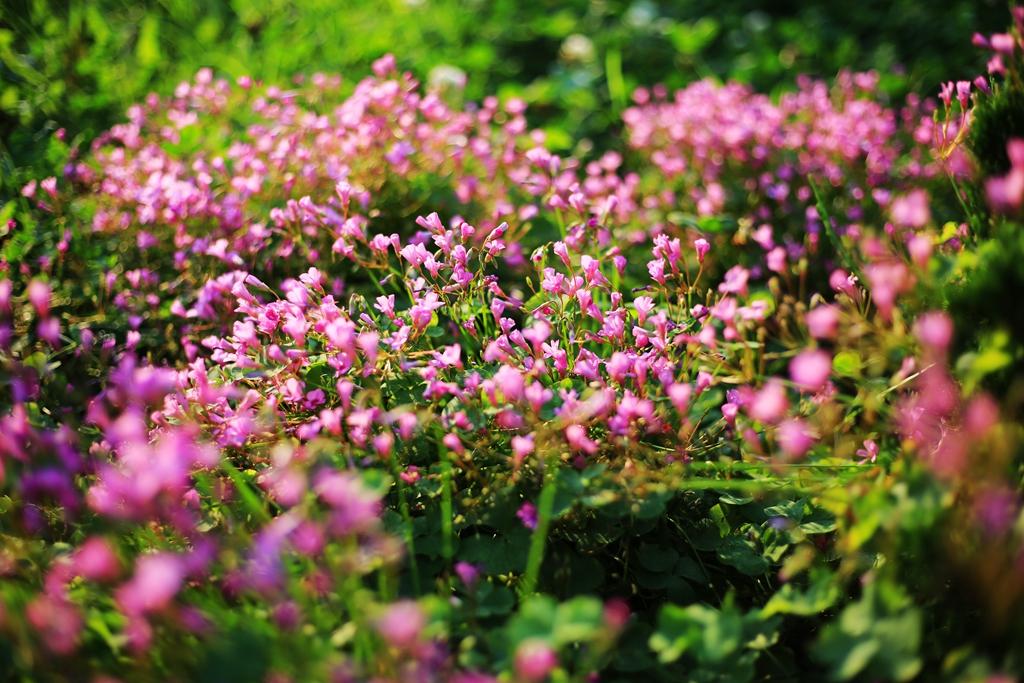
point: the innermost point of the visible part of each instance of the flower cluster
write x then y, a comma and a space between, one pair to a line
384, 389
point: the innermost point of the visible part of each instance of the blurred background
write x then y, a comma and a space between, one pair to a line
78, 64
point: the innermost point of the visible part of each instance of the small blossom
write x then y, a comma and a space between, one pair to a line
810, 370
534, 660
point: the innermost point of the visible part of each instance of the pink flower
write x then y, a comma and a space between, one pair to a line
702, 248
468, 573
383, 443
982, 415
735, 281
95, 560
888, 279
384, 66
920, 249
156, 581
794, 437
935, 330
534, 660
48, 330
704, 380
57, 620
453, 443
679, 395
39, 296
1006, 194
527, 514
869, 453
1002, 42
841, 281
770, 403
576, 436
562, 252
810, 370
6, 289
643, 305
776, 260
510, 382
401, 624
49, 185
616, 613
656, 269
522, 446
823, 322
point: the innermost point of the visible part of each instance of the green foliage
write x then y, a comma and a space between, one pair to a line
878, 637
736, 567
77, 65
723, 643
995, 121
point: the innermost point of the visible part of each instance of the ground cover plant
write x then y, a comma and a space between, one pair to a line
360, 379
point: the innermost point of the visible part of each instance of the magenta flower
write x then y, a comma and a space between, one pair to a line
911, 210
702, 247
95, 560
534, 660
522, 446
810, 370
401, 624
576, 436
468, 573
527, 514
156, 582
794, 437
869, 452
823, 321
770, 403
58, 622
735, 281
1006, 194
39, 295
935, 331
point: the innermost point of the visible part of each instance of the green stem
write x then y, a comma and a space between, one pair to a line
545, 506
613, 75
447, 533
410, 542
826, 220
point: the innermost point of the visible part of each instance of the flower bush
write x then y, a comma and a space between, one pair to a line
353, 382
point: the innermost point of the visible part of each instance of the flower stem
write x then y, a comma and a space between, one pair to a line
545, 506
403, 505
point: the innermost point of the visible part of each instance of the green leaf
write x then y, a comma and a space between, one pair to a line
147, 49
494, 600
739, 553
847, 364
578, 620
657, 558
878, 636
690, 39
819, 596
321, 375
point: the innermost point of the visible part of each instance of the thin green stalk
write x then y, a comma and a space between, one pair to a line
616, 83
826, 220
447, 532
410, 542
363, 647
538, 541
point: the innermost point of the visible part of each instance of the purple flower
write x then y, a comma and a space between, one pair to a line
527, 514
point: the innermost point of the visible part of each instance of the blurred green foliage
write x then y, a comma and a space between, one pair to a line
77, 64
